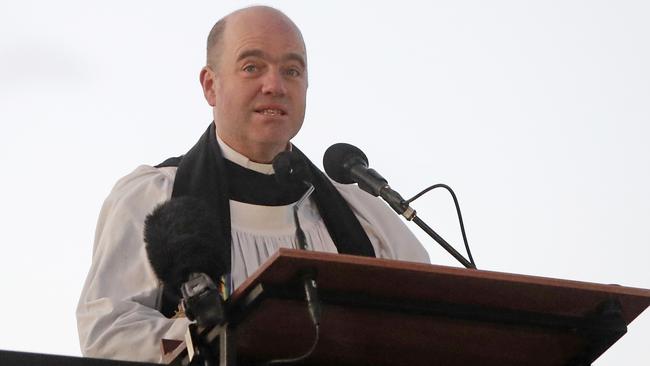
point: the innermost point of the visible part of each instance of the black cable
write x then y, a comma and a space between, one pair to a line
460, 216
302, 357
300, 235
309, 285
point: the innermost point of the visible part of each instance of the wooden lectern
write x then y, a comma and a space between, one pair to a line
384, 312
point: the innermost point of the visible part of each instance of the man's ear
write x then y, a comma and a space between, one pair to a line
207, 79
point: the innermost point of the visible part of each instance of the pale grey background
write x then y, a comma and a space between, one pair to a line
536, 113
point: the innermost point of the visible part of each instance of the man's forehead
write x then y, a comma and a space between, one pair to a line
260, 23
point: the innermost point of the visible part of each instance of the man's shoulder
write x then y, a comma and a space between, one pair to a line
144, 182
147, 174
170, 162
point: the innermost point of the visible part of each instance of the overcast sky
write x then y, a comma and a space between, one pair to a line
536, 113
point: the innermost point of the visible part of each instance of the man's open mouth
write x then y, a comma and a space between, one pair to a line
271, 112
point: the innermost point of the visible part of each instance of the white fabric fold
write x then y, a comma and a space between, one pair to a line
259, 231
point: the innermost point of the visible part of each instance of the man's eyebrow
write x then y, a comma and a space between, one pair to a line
251, 53
295, 57
261, 54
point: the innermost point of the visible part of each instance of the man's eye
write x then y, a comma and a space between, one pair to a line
250, 68
292, 72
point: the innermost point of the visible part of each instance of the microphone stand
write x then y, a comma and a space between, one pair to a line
202, 303
442, 242
308, 278
402, 207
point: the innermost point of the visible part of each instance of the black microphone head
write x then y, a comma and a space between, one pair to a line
338, 160
182, 236
291, 169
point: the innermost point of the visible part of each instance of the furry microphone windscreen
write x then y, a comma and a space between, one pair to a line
182, 236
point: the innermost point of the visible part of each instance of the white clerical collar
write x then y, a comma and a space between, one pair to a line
241, 160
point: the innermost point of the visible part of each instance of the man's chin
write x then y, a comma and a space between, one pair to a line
273, 132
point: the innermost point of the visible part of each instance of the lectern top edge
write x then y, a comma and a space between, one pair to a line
446, 270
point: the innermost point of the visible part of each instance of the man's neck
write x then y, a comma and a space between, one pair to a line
245, 161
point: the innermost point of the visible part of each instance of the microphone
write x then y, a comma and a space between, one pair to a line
347, 164
291, 169
181, 237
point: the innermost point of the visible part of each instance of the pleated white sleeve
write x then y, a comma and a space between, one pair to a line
117, 314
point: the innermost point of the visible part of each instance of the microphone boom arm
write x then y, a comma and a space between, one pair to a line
442, 242
402, 207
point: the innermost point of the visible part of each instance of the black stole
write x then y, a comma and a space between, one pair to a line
204, 173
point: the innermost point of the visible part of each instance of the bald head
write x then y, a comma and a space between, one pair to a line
256, 81
252, 15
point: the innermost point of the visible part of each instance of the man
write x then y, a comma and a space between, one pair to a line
256, 82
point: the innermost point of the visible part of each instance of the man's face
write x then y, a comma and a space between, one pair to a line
260, 84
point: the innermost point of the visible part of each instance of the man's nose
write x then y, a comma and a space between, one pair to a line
273, 83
